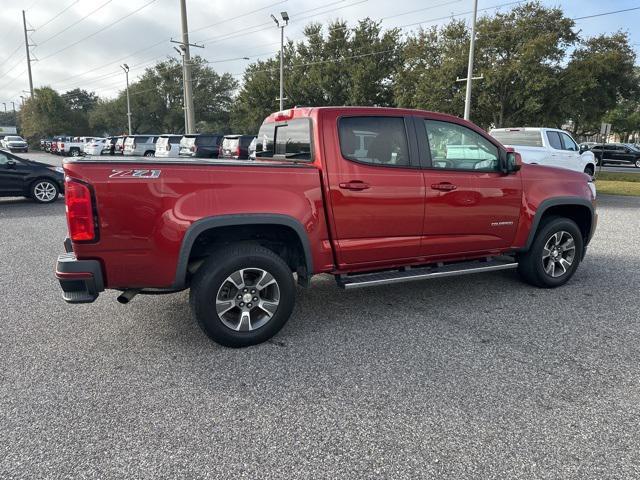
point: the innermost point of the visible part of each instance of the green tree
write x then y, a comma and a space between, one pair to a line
342, 66
599, 74
46, 114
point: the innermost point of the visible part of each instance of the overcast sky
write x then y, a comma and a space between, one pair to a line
242, 28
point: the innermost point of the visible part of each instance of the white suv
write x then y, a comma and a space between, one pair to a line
546, 146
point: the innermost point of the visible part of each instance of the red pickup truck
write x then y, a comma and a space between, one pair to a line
372, 196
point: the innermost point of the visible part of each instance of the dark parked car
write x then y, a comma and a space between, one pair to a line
201, 145
619, 153
20, 177
235, 146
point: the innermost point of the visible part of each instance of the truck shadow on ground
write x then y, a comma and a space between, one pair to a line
489, 307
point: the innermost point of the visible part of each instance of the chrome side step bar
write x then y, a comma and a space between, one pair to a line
349, 282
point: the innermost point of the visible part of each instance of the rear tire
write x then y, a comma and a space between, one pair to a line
554, 255
234, 303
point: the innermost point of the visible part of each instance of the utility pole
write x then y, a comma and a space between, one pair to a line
472, 45
26, 45
186, 69
184, 96
285, 18
125, 67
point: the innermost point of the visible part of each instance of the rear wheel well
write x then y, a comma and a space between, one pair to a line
280, 239
578, 213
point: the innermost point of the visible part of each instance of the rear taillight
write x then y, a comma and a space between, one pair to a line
238, 151
220, 150
80, 215
62, 145
193, 148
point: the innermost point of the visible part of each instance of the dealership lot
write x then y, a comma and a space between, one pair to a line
467, 377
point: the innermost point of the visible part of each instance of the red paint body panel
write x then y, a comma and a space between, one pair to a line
399, 220
142, 222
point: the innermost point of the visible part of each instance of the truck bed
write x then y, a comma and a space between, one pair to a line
145, 208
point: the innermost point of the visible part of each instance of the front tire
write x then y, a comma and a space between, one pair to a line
554, 255
242, 295
637, 164
45, 191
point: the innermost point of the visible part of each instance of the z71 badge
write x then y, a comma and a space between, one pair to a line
135, 173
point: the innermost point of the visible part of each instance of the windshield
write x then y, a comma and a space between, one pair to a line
230, 143
14, 139
188, 142
162, 142
523, 138
129, 141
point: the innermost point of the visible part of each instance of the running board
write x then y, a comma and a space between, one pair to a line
349, 282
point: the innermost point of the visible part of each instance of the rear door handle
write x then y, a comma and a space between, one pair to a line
354, 185
444, 186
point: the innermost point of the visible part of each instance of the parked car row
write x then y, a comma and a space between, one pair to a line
201, 145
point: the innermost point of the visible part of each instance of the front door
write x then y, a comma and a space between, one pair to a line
12, 175
471, 206
376, 190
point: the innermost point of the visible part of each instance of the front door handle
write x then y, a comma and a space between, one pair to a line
354, 185
444, 186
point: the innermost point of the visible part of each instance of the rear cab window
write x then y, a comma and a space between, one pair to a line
288, 140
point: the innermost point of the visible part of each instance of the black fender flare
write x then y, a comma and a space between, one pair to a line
554, 202
208, 223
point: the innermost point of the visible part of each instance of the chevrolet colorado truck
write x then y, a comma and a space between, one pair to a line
372, 196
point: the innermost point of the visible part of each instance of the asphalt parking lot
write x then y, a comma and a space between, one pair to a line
469, 377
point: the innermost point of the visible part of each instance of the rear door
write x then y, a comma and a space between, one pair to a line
557, 157
376, 189
471, 206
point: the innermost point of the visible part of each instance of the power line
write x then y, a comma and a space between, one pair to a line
238, 16
57, 15
75, 23
99, 31
606, 13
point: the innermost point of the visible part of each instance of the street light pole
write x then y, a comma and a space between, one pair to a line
5, 107
285, 18
472, 44
125, 67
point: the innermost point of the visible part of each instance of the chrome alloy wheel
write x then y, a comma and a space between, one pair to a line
45, 191
247, 299
558, 254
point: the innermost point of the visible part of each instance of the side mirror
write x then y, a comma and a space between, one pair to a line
514, 162
11, 163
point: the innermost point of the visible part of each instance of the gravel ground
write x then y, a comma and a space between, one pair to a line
469, 377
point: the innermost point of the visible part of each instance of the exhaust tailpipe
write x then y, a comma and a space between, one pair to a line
126, 296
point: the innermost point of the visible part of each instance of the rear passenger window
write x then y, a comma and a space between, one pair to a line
455, 147
554, 140
374, 140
